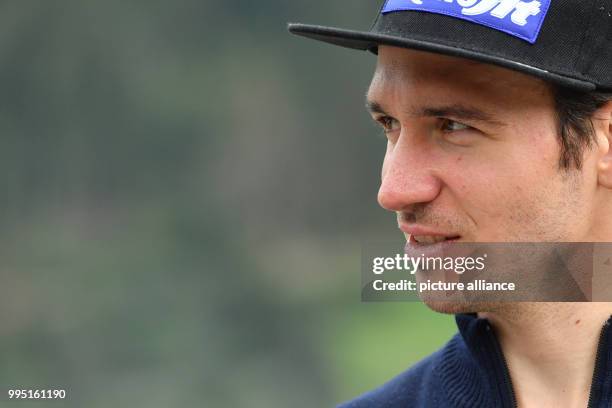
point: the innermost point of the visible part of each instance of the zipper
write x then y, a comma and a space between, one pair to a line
601, 349
507, 380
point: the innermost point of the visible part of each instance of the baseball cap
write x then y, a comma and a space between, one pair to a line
567, 42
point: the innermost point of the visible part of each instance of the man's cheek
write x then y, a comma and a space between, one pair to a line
489, 204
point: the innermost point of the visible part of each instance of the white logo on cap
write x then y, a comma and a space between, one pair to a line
520, 9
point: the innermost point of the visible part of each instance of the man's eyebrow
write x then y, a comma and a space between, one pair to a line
459, 112
456, 111
374, 107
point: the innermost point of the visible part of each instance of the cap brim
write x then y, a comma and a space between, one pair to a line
365, 40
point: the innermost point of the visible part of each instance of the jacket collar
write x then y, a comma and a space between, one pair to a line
487, 358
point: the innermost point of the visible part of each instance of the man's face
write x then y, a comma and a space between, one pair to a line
473, 153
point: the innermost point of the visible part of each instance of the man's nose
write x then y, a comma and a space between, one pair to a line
408, 178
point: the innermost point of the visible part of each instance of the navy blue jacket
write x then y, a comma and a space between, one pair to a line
470, 371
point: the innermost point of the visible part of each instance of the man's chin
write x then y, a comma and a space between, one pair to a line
448, 307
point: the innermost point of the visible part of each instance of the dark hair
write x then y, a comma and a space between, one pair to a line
575, 110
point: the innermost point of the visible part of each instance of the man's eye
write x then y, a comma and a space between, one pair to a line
389, 124
452, 126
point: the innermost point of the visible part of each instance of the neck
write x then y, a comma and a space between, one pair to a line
550, 349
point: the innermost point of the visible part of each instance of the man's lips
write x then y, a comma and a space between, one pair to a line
430, 240
421, 235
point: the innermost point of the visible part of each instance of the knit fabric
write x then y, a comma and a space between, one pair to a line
468, 372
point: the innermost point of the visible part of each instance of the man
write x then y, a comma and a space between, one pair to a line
498, 115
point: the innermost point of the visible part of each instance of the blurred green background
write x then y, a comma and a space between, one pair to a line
185, 192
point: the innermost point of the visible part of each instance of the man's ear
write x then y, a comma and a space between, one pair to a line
602, 124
